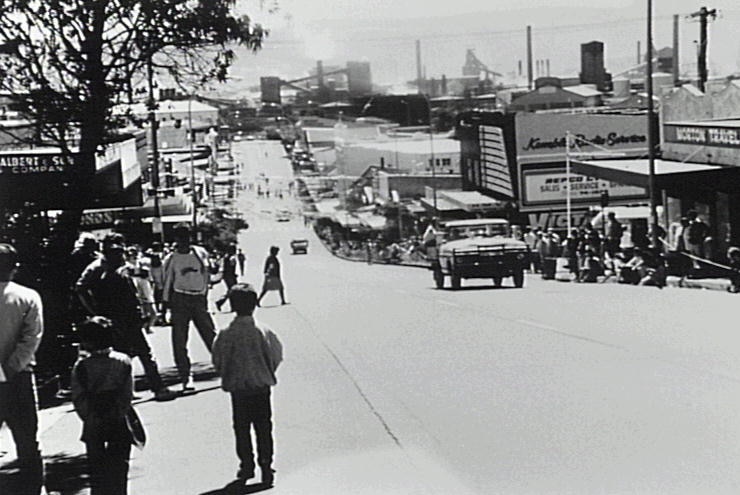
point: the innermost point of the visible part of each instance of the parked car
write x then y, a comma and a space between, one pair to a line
283, 216
299, 246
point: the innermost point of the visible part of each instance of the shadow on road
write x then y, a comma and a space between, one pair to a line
238, 488
476, 287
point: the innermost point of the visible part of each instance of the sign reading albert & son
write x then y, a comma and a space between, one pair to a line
35, 163
702, 135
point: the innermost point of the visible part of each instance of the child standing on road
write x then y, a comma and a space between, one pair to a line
246, 355
102, 389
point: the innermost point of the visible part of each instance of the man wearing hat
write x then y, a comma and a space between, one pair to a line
21, 327
106, 289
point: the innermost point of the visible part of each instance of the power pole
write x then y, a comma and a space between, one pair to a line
703, 14
153, 124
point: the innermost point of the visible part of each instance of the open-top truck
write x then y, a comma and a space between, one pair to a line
478, 248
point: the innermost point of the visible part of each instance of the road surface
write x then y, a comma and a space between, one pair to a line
390, 386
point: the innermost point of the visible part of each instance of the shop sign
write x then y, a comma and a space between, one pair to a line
33, 163
725, 137
558, 220
541, 137
549, 187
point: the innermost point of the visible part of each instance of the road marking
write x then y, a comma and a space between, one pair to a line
447, 303
537, 324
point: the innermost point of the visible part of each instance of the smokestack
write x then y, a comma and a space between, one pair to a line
418, 65
676, 75
320, 73
639, 53
529, 57
548, 67
520, 68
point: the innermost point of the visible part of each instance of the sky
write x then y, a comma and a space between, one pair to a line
384, 32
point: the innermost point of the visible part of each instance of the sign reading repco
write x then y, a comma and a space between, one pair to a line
704, 135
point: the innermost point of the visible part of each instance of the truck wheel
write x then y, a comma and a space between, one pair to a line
497, 281
455, 281
519, 278
439, 279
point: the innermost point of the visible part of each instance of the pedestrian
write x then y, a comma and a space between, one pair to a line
229, 264
733, 255
570, 246
106, 288
242, 261
21, 327
694, 234
102, 390
246, 355
141, 277
532, 239
273, 279
186, 281
614, 232
156, 272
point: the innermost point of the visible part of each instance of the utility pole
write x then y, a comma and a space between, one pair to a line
529, 57
701, 64
157, 221
650, 134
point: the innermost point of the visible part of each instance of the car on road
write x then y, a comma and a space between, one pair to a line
299, 246
478, 248
283, 216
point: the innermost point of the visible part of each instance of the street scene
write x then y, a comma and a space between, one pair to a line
360, 282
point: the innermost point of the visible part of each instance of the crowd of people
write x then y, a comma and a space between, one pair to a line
119, 292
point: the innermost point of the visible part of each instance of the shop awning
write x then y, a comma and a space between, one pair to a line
669, 174
374, 222
346, 219
442, 204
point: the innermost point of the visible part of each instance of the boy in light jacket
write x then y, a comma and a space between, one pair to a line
246, 355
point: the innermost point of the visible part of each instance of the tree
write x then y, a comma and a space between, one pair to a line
65, 64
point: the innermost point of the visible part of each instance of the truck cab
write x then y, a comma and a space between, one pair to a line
478, 248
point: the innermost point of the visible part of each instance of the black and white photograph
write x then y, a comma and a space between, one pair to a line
369, 247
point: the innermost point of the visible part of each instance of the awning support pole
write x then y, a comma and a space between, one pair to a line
567, 179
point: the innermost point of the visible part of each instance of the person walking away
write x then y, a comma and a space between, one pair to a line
273, 280
106, 289
21, 328
570, 250
186, 283
229, 264
242, 261
102, 389
246, 355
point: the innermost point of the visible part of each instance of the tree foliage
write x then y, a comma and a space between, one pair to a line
67, 63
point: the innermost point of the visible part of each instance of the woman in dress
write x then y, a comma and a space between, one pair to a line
272, 276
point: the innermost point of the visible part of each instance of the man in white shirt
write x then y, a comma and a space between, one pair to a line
186, 281
21, 327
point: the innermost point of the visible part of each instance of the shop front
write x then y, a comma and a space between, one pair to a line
698, 165
546, 182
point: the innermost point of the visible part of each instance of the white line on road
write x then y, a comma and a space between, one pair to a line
536, 324
447, 303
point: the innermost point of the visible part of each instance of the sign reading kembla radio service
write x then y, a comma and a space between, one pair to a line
702, 134
540, 137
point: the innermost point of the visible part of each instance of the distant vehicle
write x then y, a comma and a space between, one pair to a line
283, 216
237, 138
479, 248
251, 138
299, 246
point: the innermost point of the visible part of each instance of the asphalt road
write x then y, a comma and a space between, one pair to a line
392, 386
